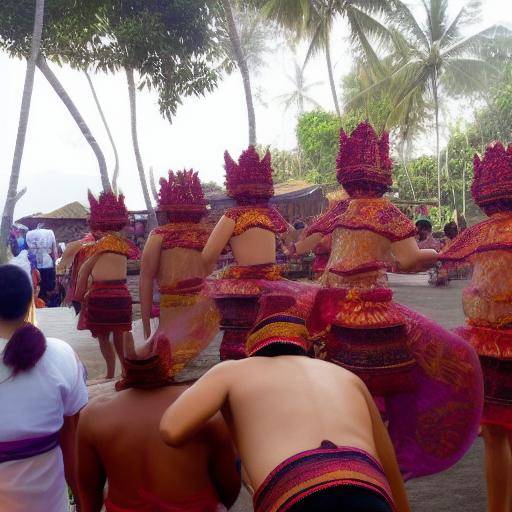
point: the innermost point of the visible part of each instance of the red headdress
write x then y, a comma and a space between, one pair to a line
493, 175
364, 158
108, 212
277, 325
182, 194
251, 178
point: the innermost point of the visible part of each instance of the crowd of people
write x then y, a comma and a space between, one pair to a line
329, 394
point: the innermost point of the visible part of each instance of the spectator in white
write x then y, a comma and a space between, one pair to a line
41, 243
42, 390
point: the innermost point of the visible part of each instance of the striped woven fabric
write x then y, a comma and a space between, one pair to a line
317, 470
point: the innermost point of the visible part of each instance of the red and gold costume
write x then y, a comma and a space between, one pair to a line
107, 306
429, 378
189, 319
487, 301
237, 291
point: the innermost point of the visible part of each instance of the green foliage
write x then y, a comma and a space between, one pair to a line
287, 165
318, 136
423, 173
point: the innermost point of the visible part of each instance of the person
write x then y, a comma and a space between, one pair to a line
308, 432
427, 380
451, 231
143, 473
488, 309
188, 317
425, 238
42, 390
250, 228
41, 244
107, 305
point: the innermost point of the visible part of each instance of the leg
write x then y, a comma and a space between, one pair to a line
498, 468
108, 354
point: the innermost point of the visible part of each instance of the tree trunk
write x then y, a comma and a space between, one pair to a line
115, 174
438, 150
152, 223
13, 195
79, 120
331, 78
242, 66
152, 183
406, 169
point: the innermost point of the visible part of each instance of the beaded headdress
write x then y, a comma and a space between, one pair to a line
276, 325
155, 368
493, 175
108, 212
250, 178
182, 193
363, 157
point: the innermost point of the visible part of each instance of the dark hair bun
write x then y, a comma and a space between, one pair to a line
25, 348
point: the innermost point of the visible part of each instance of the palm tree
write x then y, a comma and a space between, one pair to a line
436, 60
115, 174
152, 222
313, 20
13, 195
241, 61
300, 95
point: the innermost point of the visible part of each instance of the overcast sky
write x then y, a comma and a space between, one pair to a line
58, 166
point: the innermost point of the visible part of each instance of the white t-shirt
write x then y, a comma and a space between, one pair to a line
41, 243
33, 404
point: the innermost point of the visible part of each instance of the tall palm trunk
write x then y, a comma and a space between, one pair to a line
244, 69
79, 120
135, 139
152, 183
115, 174
13, 195
438, 149
406, 168
331, 77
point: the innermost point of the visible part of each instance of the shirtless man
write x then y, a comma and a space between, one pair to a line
119, 444
308, 432
107, 305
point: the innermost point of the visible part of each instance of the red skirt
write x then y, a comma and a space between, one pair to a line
107, 307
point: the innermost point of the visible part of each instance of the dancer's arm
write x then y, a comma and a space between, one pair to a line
68, 439
69, 254
91, 473
219, 238
306, 245
411, 258
185, 417
149, 266
83, 276
386, 453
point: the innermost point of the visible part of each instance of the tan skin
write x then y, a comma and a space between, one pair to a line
166, 267
277, 407
68, 256
68, 431
132, 455
105, 267
254, 247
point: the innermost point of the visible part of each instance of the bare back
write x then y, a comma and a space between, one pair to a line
109, 267
314, 401
133, 454
254, 247
179, 264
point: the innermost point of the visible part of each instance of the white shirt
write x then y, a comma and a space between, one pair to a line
41, 243
22, 262
33, 404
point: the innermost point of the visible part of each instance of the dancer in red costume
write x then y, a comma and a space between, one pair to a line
488, 307
430, 379
107, 303
251, 229
172, 256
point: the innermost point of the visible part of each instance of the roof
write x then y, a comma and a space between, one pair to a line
74, 210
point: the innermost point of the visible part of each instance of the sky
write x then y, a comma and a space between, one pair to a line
58, 165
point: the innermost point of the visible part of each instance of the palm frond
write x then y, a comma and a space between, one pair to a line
467, 15
468, 76
402, 18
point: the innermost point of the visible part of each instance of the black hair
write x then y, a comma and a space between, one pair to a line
28, 344
369, 189
450, 227
299, 224
280, 349
424, 224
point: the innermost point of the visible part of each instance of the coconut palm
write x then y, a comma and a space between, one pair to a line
115, 174
300, 95
13, 195
433, 59
313, 20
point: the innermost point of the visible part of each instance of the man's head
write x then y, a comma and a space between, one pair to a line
451, 230
424, 227
278, 331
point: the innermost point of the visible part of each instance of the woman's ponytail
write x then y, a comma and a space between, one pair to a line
25, 348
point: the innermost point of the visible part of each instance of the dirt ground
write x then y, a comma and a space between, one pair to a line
462, 488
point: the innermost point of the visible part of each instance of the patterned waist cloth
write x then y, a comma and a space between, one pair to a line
312, 471
182, 293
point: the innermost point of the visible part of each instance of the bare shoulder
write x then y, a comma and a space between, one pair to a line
96, 408
341, 373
